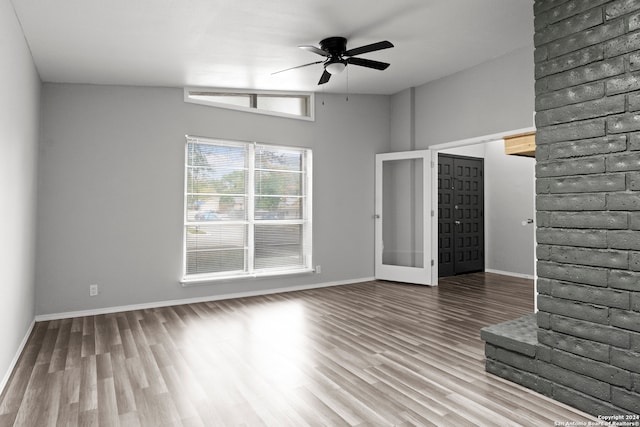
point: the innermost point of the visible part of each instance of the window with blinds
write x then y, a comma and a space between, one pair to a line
247, 210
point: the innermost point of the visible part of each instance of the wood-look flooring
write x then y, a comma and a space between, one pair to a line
368, 354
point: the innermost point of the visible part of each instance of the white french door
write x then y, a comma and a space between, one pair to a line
403, 212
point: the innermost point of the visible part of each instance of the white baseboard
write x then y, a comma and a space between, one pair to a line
108, 310
509, 273
14, 361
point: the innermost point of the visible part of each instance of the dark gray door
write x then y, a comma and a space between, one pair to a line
445, 216
460, 215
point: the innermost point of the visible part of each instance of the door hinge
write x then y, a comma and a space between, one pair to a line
433, 213
433, 263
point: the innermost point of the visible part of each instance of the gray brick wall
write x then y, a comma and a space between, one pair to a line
587, 69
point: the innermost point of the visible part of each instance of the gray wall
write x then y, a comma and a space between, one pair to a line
402, 120
19, 113
111, 200
509, 199
495, 96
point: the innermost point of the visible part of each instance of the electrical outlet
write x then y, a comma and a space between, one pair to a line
318, 269
93, 290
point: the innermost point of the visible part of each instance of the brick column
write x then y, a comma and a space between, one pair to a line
587, 70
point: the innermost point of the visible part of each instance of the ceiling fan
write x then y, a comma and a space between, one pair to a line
334, 49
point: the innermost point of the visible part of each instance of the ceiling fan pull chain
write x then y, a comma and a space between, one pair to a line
347, 85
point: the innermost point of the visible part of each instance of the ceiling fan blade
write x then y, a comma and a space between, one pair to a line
368, 48
299, 66
314, 50
324, 78
368, 63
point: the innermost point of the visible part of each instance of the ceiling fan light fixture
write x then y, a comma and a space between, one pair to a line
335, 67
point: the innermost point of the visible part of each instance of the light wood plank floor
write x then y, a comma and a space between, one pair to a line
368, 354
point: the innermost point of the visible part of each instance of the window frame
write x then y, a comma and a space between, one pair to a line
252, 94
306, 220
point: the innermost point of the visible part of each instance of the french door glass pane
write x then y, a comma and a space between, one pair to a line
402, 213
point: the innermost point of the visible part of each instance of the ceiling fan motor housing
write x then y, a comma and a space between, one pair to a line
335, 46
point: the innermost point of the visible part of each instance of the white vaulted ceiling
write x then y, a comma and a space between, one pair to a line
239, 43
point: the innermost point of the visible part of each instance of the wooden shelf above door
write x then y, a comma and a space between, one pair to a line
523, 144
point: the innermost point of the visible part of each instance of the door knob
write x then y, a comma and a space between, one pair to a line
457, 222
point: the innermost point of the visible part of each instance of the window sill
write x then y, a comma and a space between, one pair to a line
206, 280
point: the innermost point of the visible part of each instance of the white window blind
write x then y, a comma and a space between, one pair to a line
247, 210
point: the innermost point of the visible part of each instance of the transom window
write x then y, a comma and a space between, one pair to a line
247, 210
295, 105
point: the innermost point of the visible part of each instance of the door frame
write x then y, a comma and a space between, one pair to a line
416, 275
434, 193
